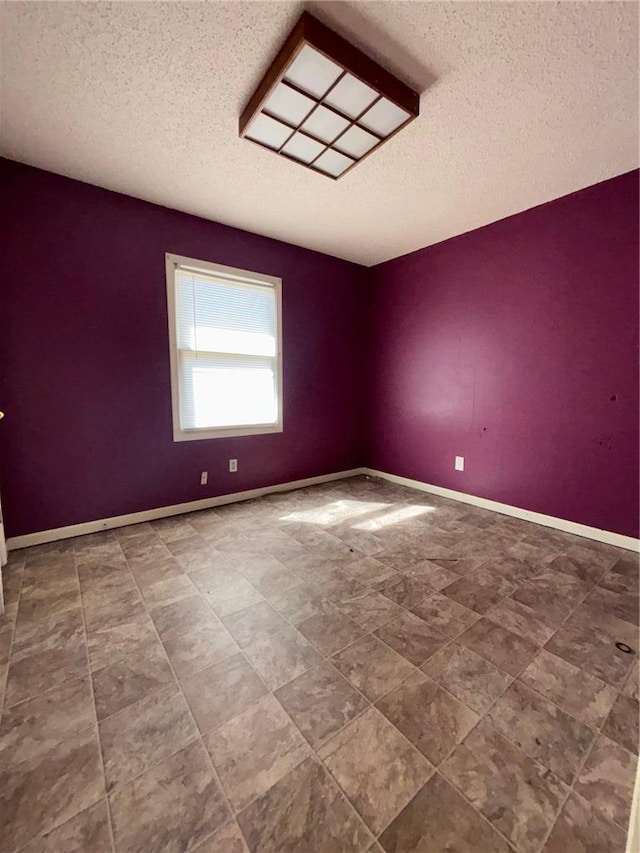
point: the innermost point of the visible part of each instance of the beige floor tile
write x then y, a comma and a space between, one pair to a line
168, 591
173, 619
581, 828
607, 778
131, 679
121, 640
376, 767
33, 727
370, 610
222, 691
499, 646
412, 638
233, 596
44, 791
299, 603
46, 654
253, 624
623, 722
582, 695
406, 591
466, 675
199, 647
305, 811
433, 720
255, 750
227, 839
144, 734
251, 598
321, 702
282, 657
542, 730
330, 630
438, 818
172, 807
446, 615
516, 794
372, 666
588, 640
86, 832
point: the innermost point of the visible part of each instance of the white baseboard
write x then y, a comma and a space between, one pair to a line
617, 539
606, 536
43, 536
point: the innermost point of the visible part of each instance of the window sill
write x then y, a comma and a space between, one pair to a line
225, 432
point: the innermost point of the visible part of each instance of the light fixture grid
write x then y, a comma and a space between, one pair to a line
320, 101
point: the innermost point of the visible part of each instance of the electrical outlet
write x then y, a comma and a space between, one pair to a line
459, 466
233, 465
204, 478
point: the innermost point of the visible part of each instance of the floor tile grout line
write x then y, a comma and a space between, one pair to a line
571, 787
87, 675
514, 679
370, 705
511, 845
543, 647
198, 739
313, 751
581, 764
199, 735
371, 632
405, 609
95, 708
14, 628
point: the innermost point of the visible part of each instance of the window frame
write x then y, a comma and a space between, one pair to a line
241, 276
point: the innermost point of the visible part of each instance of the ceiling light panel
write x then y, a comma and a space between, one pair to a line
268, 132
351, 96
313, 72
356, 142
324, 104
325, 124
285, 103
384, 117
333, 163
303, 147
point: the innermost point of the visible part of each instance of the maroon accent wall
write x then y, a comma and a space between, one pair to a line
84, 358
516, 346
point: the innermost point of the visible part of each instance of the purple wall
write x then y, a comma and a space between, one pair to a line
506, 345
85, 362
516, 346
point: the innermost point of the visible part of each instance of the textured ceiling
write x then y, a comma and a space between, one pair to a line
521, 103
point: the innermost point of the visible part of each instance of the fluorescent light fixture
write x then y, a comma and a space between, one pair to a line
268, 132
351, 96
289, 105
333, 163
313, 72
384, 117
303, 147
356, 142
324, 104
325, 124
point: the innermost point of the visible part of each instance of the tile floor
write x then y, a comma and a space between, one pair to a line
350, 667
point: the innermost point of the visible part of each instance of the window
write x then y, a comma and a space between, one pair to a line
225, 336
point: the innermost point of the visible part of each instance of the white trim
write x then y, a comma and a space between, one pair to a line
164, 511
231, 274
617, 539
575, 527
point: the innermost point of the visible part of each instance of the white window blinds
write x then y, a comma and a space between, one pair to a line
226, 338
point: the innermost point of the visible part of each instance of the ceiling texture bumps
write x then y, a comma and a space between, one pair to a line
520, 103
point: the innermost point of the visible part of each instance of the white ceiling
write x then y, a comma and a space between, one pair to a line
522, 103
